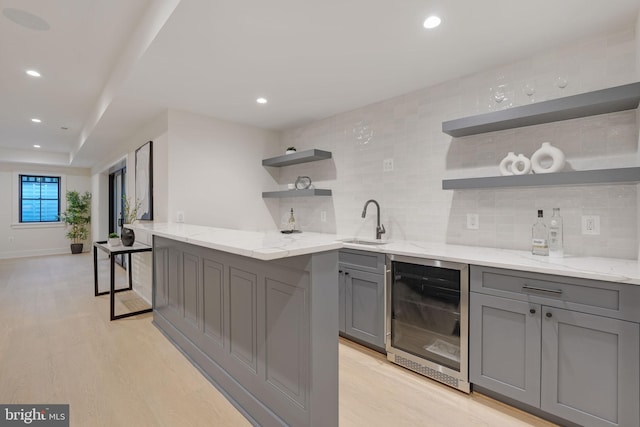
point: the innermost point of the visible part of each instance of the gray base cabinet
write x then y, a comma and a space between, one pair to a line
362, 297
264, 332
504, 343
590, 368
546, 342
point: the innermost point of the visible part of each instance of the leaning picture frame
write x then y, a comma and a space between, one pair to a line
144, 181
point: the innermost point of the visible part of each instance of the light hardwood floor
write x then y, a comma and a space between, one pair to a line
57, 345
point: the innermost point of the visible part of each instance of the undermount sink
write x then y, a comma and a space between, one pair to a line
364, 242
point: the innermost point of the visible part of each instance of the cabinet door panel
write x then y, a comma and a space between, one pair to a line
504, 351
174, 289
190, 287
213, 301
243, 327
341, 300
161, 277
364, 314
590, 368
287, 343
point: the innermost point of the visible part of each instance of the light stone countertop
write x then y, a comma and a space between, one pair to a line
266, 245
271, 245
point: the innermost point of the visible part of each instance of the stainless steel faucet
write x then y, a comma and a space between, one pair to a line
379, 227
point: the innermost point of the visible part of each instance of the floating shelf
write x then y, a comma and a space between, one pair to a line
619, 98
591, 177
297, 193
295, 158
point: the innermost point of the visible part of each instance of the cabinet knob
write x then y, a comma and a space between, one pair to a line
548, 314
346, 273
340, 271
532, 310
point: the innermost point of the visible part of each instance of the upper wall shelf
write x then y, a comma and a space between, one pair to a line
619, 98
309, 192
295, 158
590, 177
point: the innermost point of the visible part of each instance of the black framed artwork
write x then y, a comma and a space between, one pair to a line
144, 181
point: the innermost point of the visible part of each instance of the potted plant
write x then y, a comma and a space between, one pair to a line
77, 218
130, 216
114, 239
290, 150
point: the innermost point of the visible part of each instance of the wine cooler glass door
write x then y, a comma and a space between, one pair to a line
425, 313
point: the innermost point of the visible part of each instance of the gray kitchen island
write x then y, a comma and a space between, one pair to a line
257, 314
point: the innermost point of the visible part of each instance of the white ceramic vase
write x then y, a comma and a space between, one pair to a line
547, 159
521, 166
506, 163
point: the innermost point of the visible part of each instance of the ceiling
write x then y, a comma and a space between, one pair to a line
110, 66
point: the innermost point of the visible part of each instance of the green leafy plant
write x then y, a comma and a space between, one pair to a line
77, 216
291, 148
130, 211
113, 236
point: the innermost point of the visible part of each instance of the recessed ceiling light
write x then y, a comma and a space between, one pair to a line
261, 100
432, 22
36, 120
36, 146
33, 73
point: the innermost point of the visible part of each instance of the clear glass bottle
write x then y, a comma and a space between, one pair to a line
555, 235
539, 237
292, 222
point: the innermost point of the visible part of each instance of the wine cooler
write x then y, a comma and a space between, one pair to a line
427, 318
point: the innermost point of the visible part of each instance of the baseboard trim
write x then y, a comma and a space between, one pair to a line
35, 252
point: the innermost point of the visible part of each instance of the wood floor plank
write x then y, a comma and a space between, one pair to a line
57, 345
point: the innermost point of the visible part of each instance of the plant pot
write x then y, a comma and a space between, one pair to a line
127, 236
76, 248
114, 241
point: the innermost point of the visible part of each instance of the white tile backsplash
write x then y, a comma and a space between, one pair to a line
408, 130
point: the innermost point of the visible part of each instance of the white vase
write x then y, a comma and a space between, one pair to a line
547, 159
505, 164
521, 166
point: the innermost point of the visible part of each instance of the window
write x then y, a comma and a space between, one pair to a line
39, 198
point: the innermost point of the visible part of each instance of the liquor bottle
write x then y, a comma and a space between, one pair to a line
555, 235
292, 222
539, 237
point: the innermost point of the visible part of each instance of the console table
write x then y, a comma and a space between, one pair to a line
112, 251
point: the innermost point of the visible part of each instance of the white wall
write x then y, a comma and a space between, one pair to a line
142, 264
215, 172
407, 129
20, 240
99, 206
208, 168
160, 165
34, 157
638, 119
638, 46
160, 178
156, 131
